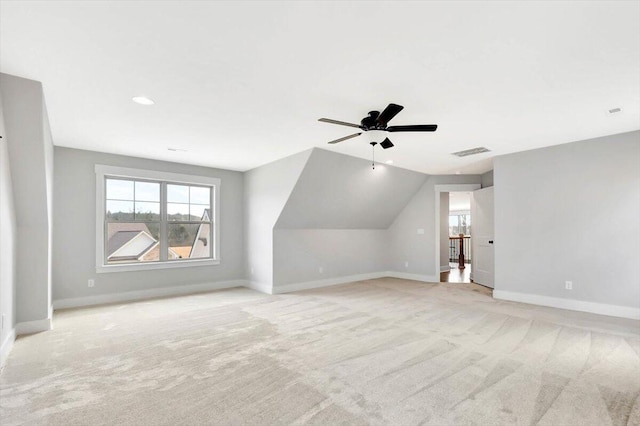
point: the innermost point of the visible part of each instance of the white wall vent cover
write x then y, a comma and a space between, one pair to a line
472, 151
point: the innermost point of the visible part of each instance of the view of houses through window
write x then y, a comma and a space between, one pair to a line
151, 221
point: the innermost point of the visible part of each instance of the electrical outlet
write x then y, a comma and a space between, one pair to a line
251, 271
91, 282
406, 263
420, 231
321, 270
568, 285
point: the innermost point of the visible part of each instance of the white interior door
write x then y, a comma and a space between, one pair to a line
482, 262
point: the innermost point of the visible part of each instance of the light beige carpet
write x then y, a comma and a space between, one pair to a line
383, 351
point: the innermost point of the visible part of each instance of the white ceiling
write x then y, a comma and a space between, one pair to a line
241, 84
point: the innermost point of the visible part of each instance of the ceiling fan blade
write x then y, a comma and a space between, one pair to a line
415, 128
342, 123
389, 112
386, 143
345, 138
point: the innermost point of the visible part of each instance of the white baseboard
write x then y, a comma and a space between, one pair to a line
414, 277
6, 346
145, 294
445, 268
261, 287
30, 327
570, 304
307, 285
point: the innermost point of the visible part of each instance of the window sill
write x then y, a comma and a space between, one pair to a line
100, 269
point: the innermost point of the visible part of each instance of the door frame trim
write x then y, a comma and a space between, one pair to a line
460, 187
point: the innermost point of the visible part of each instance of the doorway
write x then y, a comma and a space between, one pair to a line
442, 226
482, 265
455, 237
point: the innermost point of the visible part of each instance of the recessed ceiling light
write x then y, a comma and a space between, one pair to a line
389, 161
142, 100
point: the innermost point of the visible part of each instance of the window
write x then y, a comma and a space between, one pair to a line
150, 220
459, 224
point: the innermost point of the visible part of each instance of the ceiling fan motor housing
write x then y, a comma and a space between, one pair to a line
370, 122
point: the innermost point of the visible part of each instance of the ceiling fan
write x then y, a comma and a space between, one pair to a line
377, 120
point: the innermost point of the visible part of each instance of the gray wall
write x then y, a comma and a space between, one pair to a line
8, 241
336, 218
30, 147
337, 191
300, 253
75, 223
266, 190
487, 179
444, 231
571, 212
405, 244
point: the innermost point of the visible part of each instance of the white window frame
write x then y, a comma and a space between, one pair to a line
103, 172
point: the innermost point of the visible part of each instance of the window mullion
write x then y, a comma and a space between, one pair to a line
135, 216
105, 239
212, 219
164, 240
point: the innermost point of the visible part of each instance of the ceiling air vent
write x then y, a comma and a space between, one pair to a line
472, 151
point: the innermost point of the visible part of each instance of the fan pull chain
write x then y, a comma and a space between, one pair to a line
373, 154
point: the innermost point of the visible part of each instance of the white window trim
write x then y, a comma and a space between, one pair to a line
103, 171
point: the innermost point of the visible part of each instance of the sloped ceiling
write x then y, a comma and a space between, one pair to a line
336, 191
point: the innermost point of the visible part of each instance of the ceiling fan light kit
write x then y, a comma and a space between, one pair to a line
378, 121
